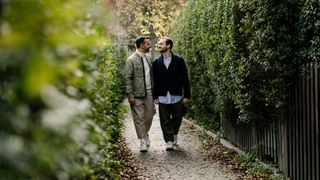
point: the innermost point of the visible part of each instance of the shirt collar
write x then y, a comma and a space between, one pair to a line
141, 54
167, 56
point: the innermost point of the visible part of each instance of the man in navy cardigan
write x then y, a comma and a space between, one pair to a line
171, 90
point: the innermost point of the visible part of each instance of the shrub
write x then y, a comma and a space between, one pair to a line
60, 94
242, 55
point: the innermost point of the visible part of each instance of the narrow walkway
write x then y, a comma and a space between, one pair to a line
187, 162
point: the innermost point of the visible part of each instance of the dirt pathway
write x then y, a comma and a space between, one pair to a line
188, 161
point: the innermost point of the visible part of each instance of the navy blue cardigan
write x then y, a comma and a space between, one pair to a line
174, 79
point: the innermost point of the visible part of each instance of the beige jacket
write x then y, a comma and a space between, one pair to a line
135, 76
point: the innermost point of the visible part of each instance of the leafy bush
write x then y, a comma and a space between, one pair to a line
242, 55
308, 32
60, 94
254, 167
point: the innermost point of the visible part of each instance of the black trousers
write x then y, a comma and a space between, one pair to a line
170, 119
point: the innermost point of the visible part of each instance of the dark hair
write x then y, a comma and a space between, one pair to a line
169, 41
140, 40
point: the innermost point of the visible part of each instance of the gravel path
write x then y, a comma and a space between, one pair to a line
187, 161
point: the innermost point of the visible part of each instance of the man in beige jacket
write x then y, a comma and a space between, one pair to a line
139, 86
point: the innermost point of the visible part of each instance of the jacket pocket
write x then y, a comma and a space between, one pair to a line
138, 87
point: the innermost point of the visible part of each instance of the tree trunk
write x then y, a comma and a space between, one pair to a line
153, 38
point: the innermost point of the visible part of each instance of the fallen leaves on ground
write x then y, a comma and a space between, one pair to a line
216, 152
225, 157
130, 170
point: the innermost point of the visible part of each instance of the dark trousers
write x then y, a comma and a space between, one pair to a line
170, 119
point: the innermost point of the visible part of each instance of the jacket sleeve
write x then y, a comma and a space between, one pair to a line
128, 75
185, 80
155, 93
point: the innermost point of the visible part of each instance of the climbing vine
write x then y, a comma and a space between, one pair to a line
242, 55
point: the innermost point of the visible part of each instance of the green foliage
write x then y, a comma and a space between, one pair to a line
309, 31
146, 17
255, 167
242, 55
60, 91
245, 158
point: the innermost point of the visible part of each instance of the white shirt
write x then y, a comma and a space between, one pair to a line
146, 70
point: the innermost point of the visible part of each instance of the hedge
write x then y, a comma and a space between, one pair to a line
243, 55
60, 91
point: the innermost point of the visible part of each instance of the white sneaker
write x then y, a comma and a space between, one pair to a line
169, 146
175, 140
143, 145
147, 140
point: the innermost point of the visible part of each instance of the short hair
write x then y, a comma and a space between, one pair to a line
168, 41
140, 40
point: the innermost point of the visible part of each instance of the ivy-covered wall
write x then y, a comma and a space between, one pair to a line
60, 91
242, 55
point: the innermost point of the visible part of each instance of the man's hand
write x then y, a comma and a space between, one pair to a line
156, 101
131, 101
185, 100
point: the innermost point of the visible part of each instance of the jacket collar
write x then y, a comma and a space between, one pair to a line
141, 54
172, 60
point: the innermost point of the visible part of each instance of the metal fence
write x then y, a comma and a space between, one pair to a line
303, 125
290, 139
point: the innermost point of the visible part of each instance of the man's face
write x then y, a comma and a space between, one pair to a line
162, 46
146, 45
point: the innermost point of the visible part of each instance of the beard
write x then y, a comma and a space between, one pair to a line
163, 50
147, 50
